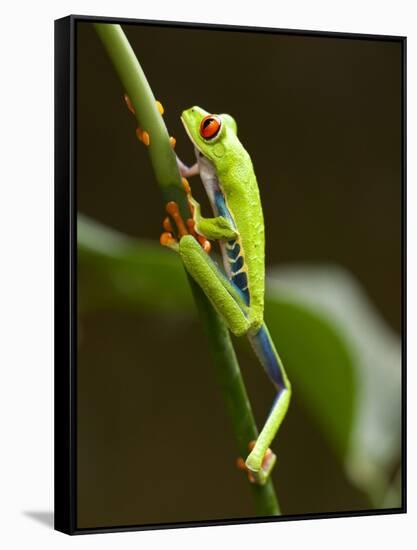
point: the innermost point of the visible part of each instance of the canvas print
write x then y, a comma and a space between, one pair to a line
239, 274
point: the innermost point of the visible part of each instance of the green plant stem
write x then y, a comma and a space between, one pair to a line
147, 115
168, 177
235, 396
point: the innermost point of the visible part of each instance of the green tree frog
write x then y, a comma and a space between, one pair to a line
237, 294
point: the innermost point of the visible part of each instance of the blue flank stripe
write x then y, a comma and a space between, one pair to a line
221, 206
265, 350
240, 280
237, 265
246, 295
234, 252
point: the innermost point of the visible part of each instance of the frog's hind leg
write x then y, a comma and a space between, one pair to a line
265, 350
224, 296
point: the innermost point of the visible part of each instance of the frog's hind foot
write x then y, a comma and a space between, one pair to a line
263, 471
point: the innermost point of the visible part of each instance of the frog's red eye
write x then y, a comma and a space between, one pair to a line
210, 126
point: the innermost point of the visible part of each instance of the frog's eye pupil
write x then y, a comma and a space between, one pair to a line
210, 126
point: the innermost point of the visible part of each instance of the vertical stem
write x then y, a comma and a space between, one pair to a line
167, 175
136, 85
235, 396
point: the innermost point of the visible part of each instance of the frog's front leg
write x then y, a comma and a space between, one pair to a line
187, 171
215, 229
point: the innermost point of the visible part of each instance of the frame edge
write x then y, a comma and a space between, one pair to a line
64, 391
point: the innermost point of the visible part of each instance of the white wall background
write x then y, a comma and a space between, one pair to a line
26, 289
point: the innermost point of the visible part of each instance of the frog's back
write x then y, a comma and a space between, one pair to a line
244, 203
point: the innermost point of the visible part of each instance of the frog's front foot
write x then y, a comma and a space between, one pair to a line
258, 468
141, 134
171, 237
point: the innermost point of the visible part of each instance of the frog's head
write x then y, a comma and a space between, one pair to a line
212, 135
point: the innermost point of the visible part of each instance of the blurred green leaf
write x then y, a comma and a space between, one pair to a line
120, 272
319, 364
358, 388
342, 358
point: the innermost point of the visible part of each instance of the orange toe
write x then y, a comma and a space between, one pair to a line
129, 104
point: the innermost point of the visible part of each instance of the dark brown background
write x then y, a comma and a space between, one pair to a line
321, 118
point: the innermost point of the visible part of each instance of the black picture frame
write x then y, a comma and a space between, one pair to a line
66, 273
